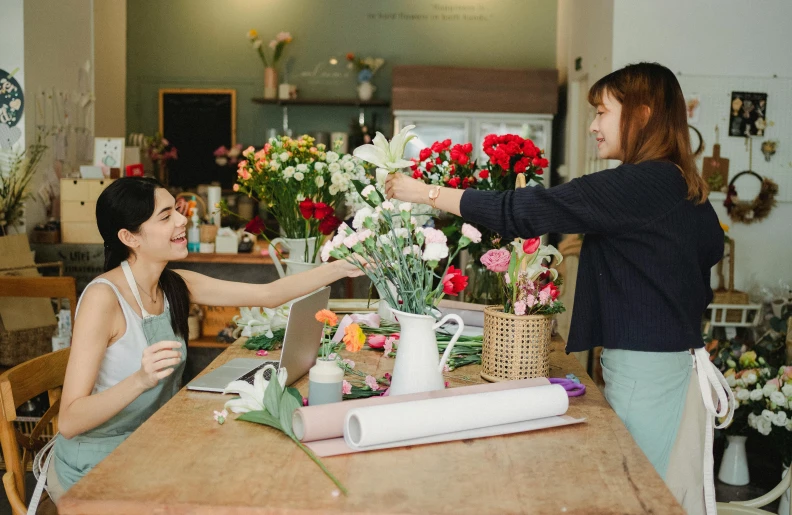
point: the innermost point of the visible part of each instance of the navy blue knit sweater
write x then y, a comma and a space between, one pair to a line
644, 275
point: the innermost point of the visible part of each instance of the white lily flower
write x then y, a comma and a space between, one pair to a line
385, 155
251, 397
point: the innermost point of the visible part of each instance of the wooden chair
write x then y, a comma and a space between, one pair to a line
17, 386
51, 287
752, 506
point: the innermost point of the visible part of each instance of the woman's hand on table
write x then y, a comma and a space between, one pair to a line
404, 188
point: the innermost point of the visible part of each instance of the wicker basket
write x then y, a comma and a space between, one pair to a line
515, 347
19, 346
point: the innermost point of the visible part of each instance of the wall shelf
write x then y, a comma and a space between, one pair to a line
323, 102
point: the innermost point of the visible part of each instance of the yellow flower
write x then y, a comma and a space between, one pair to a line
724, 227
748, 359
252, 34
354, 338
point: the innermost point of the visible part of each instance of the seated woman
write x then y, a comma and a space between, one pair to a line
128, 351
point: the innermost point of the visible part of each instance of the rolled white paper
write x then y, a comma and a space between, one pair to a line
381, 425
213, 194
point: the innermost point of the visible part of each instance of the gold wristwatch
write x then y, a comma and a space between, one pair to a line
434, 192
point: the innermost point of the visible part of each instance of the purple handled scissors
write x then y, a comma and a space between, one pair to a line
572, 388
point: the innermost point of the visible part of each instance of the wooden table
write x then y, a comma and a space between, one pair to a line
182, 461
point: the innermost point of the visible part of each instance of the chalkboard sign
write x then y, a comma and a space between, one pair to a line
197, 122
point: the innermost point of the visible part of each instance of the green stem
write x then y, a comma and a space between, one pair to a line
320, 464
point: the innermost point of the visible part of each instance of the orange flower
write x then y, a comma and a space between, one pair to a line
354, 338
327, 317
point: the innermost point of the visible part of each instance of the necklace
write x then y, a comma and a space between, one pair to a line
144, 291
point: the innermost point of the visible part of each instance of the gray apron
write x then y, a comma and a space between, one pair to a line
75, 457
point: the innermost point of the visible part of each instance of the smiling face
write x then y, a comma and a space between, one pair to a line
606, 128
163, 237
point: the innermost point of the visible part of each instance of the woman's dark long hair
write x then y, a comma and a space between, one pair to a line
126, 204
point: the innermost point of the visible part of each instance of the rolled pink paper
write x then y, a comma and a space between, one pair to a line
324, 422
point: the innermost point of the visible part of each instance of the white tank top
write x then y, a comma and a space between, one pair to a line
122, 358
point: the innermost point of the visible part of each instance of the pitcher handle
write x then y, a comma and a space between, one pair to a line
460, 328
273, 252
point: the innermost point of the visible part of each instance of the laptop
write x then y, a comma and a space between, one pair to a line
300, 349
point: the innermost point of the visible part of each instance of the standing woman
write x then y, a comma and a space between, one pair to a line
644, 276
128, 351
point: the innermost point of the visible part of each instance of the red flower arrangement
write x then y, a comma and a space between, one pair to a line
511, 153
446, 165
328, 222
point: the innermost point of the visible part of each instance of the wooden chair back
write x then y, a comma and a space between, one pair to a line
51, 287
17, 386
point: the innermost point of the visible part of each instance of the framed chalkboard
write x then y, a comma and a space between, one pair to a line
197, 122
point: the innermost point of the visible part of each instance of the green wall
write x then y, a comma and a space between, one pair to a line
202, 43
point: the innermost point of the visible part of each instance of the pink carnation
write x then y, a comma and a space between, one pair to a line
471, 233
346, 387
371, 382
519, 308
434, 235
545, 297
530, 301
496, 260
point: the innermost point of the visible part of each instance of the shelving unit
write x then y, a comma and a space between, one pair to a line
354, 102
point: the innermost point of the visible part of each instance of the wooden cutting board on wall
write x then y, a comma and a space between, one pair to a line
716, 165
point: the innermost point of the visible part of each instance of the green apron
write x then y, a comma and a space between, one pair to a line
75, 457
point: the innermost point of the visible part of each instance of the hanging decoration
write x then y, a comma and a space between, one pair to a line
756, 210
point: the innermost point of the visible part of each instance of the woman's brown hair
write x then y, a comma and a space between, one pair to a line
663, 134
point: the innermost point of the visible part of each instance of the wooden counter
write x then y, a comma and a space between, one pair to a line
230, 259
182, 461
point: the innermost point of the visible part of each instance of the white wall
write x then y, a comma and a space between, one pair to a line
110, 35
58, 41
723, 38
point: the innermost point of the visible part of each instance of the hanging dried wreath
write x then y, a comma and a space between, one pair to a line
756, 210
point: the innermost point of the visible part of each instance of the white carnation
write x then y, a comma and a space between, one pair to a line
298, 176
750, 378
731, 381
368, 190
780, 419
302, 167
284, 156
779, 399
756, 394
415, 251
743, 394
288, 171
769, 388
767, 414
405, 207
435, 252
349, 166
333, 189
752, 419
319, 181
332, 157
334, 167
319, 166
764, 426
360, 217
787, 389
326, 249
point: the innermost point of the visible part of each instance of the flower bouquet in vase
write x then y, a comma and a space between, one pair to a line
277, 46
395, 250
517, 334
301, 185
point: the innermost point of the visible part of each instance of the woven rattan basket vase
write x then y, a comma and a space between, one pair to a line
515, 347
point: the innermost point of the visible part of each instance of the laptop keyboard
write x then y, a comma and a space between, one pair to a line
248, 378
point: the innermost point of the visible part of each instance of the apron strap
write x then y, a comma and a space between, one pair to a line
133, 286
40, 466
711, 380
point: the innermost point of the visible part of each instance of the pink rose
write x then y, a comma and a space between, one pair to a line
496, 260
530, 246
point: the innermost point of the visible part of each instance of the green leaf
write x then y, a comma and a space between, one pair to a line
287, 406
272, 396
261, 417
294, 392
